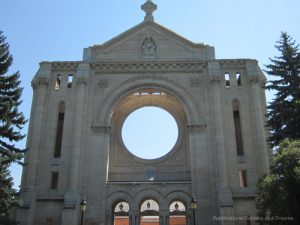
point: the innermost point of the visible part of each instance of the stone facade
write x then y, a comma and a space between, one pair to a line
95, 165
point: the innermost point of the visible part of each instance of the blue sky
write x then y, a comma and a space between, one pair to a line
40, 30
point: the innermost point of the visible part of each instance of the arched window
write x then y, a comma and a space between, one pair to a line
121, 213
237, 127
149, 212
177, 213
59, 130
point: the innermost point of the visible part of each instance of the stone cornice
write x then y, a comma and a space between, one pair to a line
153, 67
232, 62
64, 66
40, 82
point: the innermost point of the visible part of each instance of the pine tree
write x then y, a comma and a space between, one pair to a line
8, 196
284, 112
11, 120
11, 123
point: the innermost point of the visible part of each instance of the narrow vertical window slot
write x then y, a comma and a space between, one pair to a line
54, 180
238, 79
243, 178
237, 128
70, 80
58, 81
227, 80
59, 130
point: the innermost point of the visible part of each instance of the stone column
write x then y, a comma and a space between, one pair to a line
225, 195
163, 217
34, 143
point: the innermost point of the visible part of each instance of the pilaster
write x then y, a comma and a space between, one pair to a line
255, 78
40, 84
224, 193
99, 149
72, 197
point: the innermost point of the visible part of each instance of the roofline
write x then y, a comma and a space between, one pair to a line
145, 23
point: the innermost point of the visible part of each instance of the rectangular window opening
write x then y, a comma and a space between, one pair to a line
227, 80
58, 81
243, 178
238, 79
70, 80
238, 133
54, 180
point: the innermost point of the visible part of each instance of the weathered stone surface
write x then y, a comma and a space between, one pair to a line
180, 76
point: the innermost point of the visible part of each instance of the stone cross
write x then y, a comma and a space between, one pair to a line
149, 7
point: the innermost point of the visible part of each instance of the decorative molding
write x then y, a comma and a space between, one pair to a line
196, 128
149, 7
149, 46
40, 82
232, 62
151, 67
81, 80
254, 79
104, 129
103, 83
64, 66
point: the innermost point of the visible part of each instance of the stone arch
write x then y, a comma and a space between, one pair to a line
104, 112
112, 199
180, 195
148, 193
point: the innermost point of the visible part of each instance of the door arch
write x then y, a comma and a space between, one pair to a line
121, 213
149, 212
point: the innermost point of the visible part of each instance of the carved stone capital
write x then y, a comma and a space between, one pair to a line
39, 82
196, 128
104, 129
81, 80
254, 79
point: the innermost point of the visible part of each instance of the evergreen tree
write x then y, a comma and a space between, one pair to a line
11, 120
284, 112
8, 196
278, 198
11, 123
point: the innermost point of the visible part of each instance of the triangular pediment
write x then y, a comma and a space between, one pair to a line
150, 41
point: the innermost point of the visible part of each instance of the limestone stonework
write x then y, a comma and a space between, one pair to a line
99, 92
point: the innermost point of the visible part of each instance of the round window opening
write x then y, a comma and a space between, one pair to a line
150, 132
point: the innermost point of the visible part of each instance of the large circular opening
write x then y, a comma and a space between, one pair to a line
150, 132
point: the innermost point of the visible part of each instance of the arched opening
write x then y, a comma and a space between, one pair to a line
150, 132
121, 213
149, 212
177, 213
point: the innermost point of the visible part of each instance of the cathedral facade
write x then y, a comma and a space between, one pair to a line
76, 151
